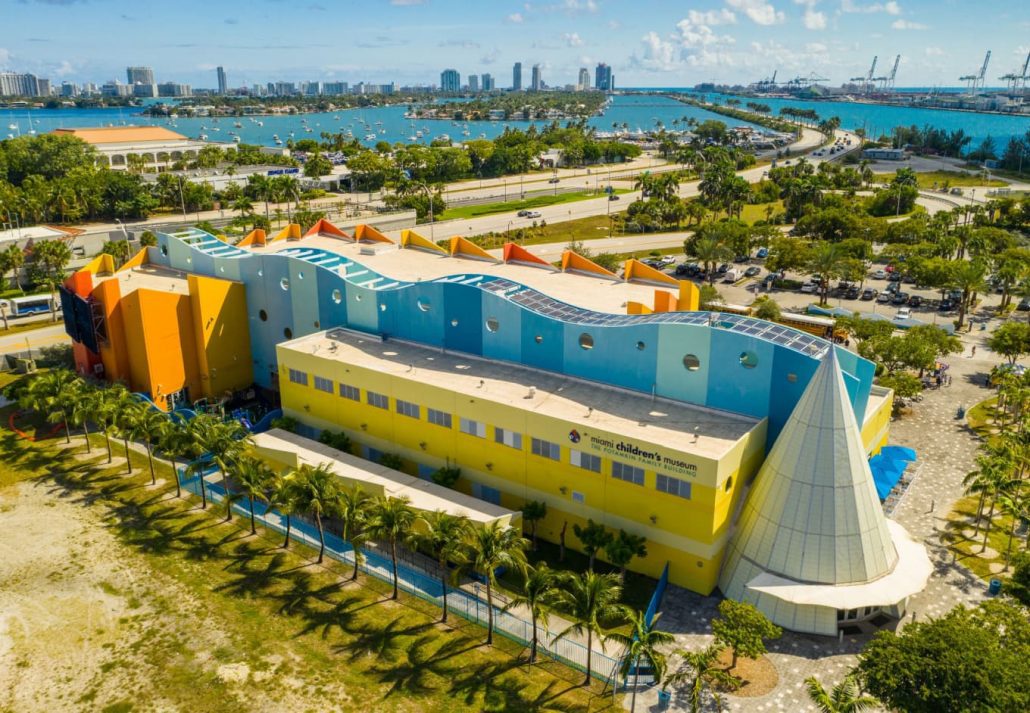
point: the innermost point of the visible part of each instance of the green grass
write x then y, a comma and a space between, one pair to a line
267, 602
17, 328
959, 179
966, 550
478, 211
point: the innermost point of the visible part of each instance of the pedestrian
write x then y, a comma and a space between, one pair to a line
974, 351
949, 379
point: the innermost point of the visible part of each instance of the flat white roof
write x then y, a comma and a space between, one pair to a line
411, 265
151, 277
670, 424
424, 495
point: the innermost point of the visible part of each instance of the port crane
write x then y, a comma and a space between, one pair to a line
867, 80
767, 83
800, 82
1017, 81
976, 81
887, 82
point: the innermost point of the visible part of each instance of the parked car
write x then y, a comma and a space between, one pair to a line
880, 275
741, 258
752, 271
851, 293
533, 214
895, 277
868, 294
899, 298
810, 287
915, 301
893, 287
721, 270
612, 197
667, 260
883, 297
903, 313
1023, 306
553, 180
946, 305
730, 275
688, 268
762, 253
956, 191
522, 213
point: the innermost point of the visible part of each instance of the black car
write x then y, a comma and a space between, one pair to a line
868, 294
741, 258
723, 268
752, 271
522, 213
899, 298
895, 277
851, 293
553, 180
1023, 306
915, 301
613, 197
946, 305
893, 287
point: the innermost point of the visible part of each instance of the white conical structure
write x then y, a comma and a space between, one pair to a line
812, 537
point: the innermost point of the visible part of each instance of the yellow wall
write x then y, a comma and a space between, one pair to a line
876, 428
222, 335
688, 533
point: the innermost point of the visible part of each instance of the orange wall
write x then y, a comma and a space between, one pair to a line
222, 335
115, 353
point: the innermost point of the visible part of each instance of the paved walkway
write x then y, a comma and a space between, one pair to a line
946, 449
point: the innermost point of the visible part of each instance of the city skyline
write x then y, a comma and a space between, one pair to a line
410, 41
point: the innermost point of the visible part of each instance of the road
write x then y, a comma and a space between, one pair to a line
33, 339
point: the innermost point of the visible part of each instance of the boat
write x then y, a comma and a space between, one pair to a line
308, 129
482, 135
236, 139
261, 123
370, 137
443, 137
12, 126
413, 138
203, 137
278, 141
237, 124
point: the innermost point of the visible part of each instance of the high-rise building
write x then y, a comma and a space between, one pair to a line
43, 87
516, 77
334, 89
603, 78
13, 84
473, 82
538, 81
450, 80
584, 80
223, 83
487, 82
139, 75
68, 89
173, 89
313, 89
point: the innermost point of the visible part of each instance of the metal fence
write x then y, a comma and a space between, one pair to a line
461, 602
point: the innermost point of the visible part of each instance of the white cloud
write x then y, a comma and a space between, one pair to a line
658, 55
572, 39
516, 18
405, 3
64, 69
5, 55
692, 36
814, 20
712, 17
891, 8
908, 25
614, 24
490, 57
816, 48
758, 11
933, 52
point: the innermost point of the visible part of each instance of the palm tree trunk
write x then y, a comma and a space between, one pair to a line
67, 429
150, 461
128, 461
228, 505
636, 680
590, 648
533, 645
107, 439
1012, 532
393, 556
980, 513
85, 435
357, 553
253, 527
286, 541
987, 527
443, 586
203, 491
175, 472
489, 613
321, 537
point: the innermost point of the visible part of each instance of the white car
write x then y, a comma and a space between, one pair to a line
880, 275
809, 288
903, 313
533, 214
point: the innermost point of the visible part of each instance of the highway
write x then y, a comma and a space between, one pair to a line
34, 339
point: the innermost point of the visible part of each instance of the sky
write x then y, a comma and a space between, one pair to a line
648, 43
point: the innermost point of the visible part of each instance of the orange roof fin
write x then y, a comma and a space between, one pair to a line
637, 271
518, 254
411, 239
574, 262
255, 238
140, 258
637, 308
462, 247
689, 297
290, 232
324, 227
367, 232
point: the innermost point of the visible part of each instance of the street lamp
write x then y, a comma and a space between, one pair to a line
429, 195
507, 231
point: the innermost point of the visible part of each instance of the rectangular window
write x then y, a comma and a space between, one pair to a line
673, 486
373, 454
584, 460
439, 418
350, 392
508, 438
473, 428
578, 497
323, 384
628, 473
546, 449
485, 492
378, 400
406, 408
299, 377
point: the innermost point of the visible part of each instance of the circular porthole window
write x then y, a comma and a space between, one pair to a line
288, 333
261, 273
492, 325
221, 269
641, 346
164, 249
691, 362
337, 296
454, 323
189, 260
285, 284
538, 339
748, 360
357, 298
300, 275
263, 315
318, 324
423, 304
792, 378
382, 308
586, 341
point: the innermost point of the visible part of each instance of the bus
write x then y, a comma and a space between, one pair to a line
24, 306
818, 326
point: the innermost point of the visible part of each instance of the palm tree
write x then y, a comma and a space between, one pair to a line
125, 416
392, 519
623, 548
540, 588
84, 402
353, 510
846, 697
825, 262
710, 251
317, 493
702, 673
252, 476
217, 441
53, 394
533, 512
175, 441
146, 423
11, 260
443, 535
282, 497
492, 546
591, 599
642, 643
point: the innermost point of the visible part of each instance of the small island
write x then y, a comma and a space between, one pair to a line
517, 106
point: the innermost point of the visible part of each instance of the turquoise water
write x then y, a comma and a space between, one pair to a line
639, 112
878, 118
